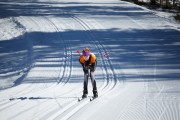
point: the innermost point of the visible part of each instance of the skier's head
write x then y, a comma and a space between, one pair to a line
86, 54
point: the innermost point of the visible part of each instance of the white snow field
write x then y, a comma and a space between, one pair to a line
40, 74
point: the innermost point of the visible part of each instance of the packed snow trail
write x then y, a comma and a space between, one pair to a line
139, 79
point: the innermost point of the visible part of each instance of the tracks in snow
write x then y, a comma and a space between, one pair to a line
64, 75
109, 75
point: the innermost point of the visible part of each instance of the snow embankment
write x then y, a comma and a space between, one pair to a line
13, 65
10, 28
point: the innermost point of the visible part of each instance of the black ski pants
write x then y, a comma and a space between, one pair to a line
90, 73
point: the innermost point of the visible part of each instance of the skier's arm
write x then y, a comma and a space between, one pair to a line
81, 63
85, 68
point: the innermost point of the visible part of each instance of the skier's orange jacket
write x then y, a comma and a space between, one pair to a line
92, 62
92, 59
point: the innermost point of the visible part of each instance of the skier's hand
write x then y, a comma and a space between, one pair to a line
92, 69
85, 67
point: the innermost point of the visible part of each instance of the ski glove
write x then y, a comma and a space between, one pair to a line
85, 68
92, 69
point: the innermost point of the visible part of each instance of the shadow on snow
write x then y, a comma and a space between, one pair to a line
149, 54
145, 51
64, 9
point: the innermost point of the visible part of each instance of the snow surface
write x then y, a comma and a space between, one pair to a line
41, 78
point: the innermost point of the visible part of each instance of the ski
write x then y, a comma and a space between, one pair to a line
93, 98
80, 99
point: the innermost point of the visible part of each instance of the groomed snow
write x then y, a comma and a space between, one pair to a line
40, 75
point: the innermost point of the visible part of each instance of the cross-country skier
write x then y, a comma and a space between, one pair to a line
89, 63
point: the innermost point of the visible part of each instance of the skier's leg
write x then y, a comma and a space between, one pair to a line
93, 81
85, 90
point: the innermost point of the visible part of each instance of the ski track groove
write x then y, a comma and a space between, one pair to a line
81, 105
34, 21
59, 37
105, 51
122, 74
65, 51
66, 60
31, 87
68, 56
66, 63
74, 18
108, 73
72, 110
110, 77
20, 92
70, 62
101, 49
70, 104
38, 23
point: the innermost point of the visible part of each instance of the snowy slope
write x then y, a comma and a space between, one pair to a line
41, 78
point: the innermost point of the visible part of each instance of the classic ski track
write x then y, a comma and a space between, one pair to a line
65, 60
94, 36
70, 106
67, 73
101, 49
47, 100
68, 54
59, 37
69, 59
36, 87
70, 103
31, 89
52, 117
37, 24
153, 105
26, 89
122, 74
106, 76
74, 110
89, 34
103, 91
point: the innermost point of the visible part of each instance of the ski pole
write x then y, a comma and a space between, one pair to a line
78, 51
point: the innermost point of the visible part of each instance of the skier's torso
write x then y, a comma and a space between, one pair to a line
92, 59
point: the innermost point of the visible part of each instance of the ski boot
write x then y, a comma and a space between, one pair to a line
84, 96
85, 92
95, 94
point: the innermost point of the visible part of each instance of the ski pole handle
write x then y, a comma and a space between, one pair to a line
78, 51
